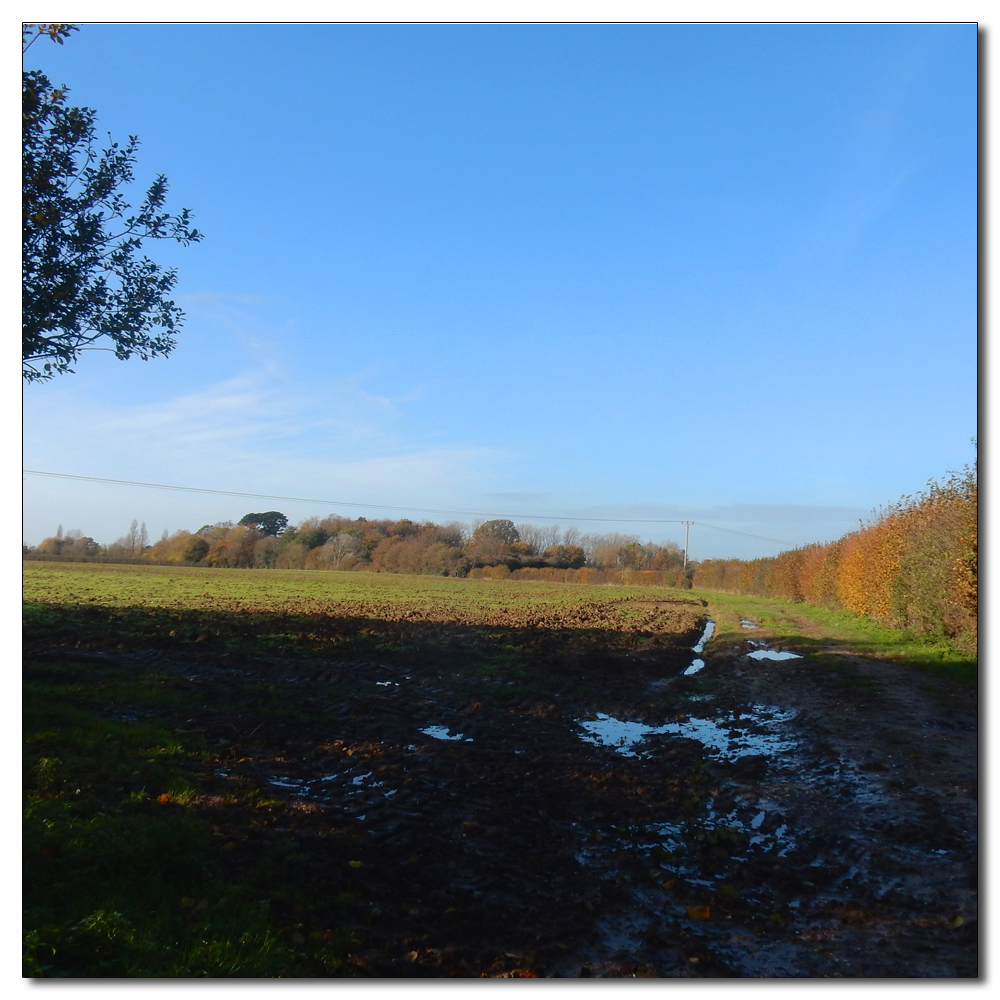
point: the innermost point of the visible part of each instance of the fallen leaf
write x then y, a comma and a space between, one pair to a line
699, 912
354, 864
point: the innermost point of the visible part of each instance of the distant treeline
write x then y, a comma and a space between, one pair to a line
914, 566
265, 541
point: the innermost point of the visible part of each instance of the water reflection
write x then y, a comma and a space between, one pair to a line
722, 739
699, 646
441, 733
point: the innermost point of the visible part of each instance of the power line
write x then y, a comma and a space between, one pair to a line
377, 506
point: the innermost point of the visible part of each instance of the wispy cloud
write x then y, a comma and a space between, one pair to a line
243, 435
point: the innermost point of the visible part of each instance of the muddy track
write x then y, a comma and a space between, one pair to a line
526, 802
873, 868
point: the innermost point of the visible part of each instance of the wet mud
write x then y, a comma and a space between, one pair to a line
545, 801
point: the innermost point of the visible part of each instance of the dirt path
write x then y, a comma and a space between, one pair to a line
874, 818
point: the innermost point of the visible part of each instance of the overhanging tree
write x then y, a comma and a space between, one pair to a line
85, 280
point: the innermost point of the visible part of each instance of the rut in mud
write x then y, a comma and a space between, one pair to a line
547, 798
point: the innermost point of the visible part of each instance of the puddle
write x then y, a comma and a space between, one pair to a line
441, 733
757, 832
763, 651
383, 684
674, 847
699, 646
295, 785
342, 787
611, 732
724, 739
746, 623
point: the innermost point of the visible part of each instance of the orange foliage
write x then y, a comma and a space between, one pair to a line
913, 566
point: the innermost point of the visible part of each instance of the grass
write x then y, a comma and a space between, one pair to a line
124, 877
191, 587
813, 630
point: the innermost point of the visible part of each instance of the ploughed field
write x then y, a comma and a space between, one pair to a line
250, 773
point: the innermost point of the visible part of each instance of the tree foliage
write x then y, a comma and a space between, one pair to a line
502, 530
387, 546
271, 522
914, 566
85, 280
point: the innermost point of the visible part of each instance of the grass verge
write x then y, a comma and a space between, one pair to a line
814, 630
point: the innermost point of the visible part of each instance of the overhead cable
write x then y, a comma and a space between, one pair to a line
377, 506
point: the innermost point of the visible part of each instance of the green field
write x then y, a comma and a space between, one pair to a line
284, 593
127, 872
158, 699
193, 587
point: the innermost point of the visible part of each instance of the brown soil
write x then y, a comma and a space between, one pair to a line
522, 850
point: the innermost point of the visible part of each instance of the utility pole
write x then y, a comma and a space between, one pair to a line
687, 535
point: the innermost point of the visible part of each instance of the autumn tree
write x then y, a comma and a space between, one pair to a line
338, 548
85, 284
501, 530
565, 556
491, 542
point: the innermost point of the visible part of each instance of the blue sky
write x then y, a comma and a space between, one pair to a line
712, 272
